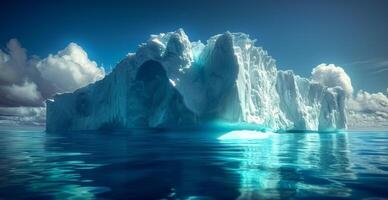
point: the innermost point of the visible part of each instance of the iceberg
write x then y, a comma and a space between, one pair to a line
171, 82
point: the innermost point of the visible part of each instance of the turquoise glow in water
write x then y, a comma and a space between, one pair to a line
181, 165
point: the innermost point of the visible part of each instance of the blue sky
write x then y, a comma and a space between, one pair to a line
298, 34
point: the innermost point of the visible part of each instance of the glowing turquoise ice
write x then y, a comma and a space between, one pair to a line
246, 135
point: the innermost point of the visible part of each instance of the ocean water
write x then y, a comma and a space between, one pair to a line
192, 165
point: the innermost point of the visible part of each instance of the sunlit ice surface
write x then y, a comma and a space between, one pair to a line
246, 135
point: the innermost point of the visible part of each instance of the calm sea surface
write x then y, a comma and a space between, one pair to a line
192, 165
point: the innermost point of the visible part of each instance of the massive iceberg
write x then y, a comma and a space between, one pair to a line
171, 82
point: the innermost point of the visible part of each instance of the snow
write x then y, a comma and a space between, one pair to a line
227, 79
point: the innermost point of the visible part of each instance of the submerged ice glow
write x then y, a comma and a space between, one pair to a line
245, 135
172, 82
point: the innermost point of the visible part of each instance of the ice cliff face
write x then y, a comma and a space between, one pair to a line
172, 82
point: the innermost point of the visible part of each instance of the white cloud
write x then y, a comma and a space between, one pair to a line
12, 64
381, 67
25, 83
364, 110
20, 81
367, 102
368, 110
331, 76
70, 69
25, 94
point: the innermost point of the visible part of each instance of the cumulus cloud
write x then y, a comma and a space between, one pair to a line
25, 94
331, 76
26, 82
20, 81
70, 69
368, 110
364, 110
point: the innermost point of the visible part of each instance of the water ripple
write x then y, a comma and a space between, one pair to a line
192, 165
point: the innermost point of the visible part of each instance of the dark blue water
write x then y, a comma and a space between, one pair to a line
192, 165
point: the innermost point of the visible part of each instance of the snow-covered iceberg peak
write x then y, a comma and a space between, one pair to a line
190, 83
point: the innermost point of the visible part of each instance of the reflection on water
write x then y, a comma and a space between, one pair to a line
295, 165
258, 168
196, 165
31, 167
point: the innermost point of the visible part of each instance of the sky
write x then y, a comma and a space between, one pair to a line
50, 47
298, 34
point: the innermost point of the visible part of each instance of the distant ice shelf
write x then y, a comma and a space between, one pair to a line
171, 82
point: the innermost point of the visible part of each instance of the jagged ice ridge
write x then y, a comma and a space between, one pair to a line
172, 82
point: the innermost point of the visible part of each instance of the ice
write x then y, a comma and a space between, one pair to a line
245, 135
186, 84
